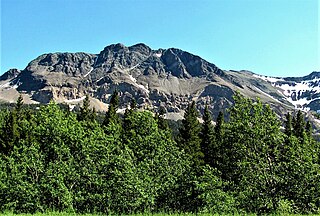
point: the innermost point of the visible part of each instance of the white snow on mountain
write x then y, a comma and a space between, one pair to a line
268, 79
294, 92
266, 94
138, 85
75, 100
88, 72
158, 55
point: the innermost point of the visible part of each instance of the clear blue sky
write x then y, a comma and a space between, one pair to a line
270, 37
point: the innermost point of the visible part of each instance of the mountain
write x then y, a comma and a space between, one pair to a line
164, 77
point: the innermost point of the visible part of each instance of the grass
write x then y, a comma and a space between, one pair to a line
74, 214
142, 214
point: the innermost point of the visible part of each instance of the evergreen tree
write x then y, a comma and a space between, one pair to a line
85, 111
127, 120
207, 135
288, 125
19, 104
218, 146
10, 131
309, 129
161, 121
189, 134
219, 127
299, 125
9, 134
133, 104
115, 100
111, 114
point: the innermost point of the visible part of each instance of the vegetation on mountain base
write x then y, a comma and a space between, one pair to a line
56, 160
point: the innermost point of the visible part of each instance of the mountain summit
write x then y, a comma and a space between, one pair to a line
165, 77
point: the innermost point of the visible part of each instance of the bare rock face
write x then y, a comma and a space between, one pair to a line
10, 74
165, 77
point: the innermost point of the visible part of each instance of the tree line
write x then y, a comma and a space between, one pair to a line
55, 159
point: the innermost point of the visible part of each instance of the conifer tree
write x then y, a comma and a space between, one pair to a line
133, 104
10, 133
207, 135
85, 111
219, 127
299, 125
189, 134
218, 147
288, 125
161, 121
127, 120
115, 100
309, 129
19, 104
111, 114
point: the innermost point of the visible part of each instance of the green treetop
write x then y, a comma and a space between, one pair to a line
189, 134
208, 139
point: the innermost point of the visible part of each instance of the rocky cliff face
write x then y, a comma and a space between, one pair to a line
163, 77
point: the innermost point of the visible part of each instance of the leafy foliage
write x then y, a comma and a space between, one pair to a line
189, 138
53, 159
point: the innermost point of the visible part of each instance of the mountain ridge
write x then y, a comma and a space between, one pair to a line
163, 77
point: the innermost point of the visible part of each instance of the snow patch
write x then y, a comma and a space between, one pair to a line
317, 120
139, 85
268, 79
9, 85
300, 86
88, 72
71, 107
75, 100
266, 94
94, 64
158, 55
99, 79
121, 110
289, 89
6, 85
132, 78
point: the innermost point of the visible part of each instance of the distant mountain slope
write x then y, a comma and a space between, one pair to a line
163, 77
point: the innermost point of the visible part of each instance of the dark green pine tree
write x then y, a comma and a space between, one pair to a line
9, 133
288, 125
208, 139
85, 111
309, 129
218, 129
133, 104
19, 104
111, 115
189, 135
299, 125
218, 147
127, 120
161, 121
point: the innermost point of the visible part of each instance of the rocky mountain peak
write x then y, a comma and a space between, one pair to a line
165, 77
10, 74
72, 64
115, 48
313, 75
141, 48
187, 65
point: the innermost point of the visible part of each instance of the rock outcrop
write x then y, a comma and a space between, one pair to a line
154, 78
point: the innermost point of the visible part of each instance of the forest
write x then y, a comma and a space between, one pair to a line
249, 161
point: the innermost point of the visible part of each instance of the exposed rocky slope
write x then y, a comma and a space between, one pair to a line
163, 77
